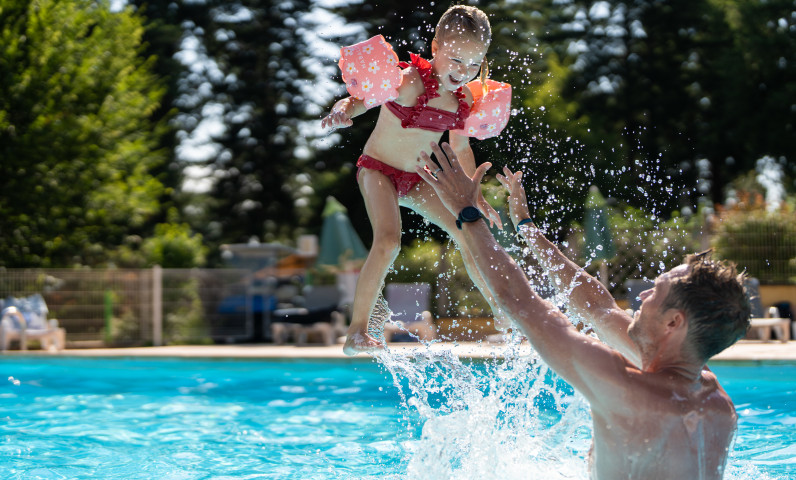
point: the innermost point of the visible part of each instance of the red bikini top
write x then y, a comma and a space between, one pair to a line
421, 115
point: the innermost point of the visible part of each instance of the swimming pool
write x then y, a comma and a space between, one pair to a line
136, 418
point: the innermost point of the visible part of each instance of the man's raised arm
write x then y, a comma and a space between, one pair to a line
584, 362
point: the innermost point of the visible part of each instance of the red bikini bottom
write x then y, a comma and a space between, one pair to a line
403, 181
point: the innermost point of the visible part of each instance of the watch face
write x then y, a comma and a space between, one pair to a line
470, 214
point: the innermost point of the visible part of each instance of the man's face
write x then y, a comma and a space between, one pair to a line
647, 324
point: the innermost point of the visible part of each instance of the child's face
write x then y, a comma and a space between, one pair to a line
457, 60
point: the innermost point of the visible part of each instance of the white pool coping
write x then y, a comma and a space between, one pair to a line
745, 350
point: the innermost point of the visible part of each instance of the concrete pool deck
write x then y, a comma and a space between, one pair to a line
745, 350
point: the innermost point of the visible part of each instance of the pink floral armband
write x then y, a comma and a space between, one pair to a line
370, 71
490, 112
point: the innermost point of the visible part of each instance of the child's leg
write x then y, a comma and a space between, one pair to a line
381, 201
424, 201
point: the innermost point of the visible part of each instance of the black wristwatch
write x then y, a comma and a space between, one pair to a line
468, 214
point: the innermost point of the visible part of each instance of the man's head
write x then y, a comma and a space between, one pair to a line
711, 293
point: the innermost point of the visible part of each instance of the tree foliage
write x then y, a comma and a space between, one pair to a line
687, 94
245, 69
77, 145
659, 104
759, 237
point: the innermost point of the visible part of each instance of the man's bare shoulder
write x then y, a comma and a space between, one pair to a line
659, 422
667, 392
713, 398
609, 376
664, 391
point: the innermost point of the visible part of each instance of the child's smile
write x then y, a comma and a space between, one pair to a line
456, 62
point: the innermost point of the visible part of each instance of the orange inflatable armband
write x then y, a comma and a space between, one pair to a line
370, 71
490, 112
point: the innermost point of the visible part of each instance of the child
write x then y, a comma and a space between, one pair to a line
432, 98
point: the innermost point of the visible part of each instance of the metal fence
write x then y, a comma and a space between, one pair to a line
144, 306
121, 307
765, 247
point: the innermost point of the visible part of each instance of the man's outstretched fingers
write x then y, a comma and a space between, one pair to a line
481, 171
426, 163
425, 174
442, 159
451, 155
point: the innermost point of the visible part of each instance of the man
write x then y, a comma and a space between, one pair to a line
657, 411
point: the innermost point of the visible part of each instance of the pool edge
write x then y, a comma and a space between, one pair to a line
744, 351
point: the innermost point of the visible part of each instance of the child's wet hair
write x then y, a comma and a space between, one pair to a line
467, 21
464, 20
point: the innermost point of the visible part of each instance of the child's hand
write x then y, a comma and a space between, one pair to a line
337, 119
518, 203
339, 116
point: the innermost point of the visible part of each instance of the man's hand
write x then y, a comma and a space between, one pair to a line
518, 203
489, 213
452, 185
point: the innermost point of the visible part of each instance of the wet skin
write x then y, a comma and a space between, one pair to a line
455, 62
658, 412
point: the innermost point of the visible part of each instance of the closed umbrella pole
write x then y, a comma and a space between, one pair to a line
599, 242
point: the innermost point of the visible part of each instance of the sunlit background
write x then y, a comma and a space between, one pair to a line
128, 124
141, 140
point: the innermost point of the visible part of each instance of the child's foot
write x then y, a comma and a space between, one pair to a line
373, 336
360, 342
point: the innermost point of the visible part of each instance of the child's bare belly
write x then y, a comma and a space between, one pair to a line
396, 146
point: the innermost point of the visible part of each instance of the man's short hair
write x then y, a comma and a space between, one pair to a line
713, 296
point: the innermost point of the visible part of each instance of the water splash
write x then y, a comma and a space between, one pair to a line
503, 416
510, 417
507, 417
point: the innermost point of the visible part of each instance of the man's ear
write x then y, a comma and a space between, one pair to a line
434, 47
675, 319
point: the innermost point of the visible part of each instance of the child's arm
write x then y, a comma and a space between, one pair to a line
343, 111
589, 298
461, 145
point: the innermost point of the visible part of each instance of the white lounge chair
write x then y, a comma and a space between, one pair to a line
772, 321
409, 303
319, 316
764, 322
26, 319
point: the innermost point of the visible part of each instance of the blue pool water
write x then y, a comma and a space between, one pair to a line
75, 418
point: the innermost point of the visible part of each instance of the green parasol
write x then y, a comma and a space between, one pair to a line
339, 240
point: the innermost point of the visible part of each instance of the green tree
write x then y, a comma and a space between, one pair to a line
683, 95
246, 76
749, 92
174, 246
759, 237
77, 142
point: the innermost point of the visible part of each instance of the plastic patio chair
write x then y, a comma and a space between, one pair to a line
763, 321
26, 319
